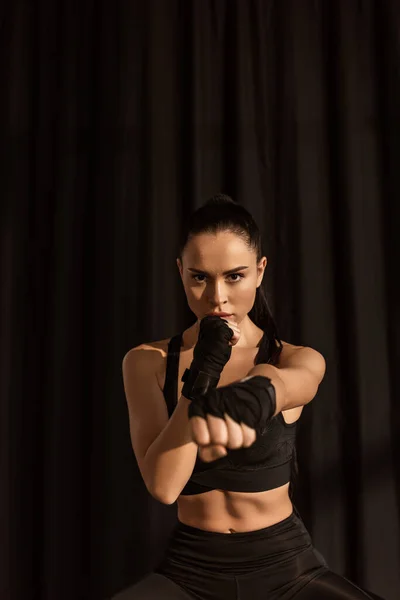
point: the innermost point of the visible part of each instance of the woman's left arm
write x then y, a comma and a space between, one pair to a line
296, 380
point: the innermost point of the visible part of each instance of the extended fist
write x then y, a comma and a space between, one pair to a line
214, 435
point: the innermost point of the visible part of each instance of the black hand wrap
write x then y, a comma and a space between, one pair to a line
211, 353
252, 402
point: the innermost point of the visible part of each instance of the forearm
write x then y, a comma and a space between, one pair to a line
172, 456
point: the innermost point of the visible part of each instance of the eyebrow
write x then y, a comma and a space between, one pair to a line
224, 273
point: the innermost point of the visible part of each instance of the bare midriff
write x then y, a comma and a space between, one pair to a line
223, 511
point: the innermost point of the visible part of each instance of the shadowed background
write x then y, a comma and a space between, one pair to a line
119, 119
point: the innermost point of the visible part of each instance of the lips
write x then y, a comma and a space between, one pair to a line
222, 314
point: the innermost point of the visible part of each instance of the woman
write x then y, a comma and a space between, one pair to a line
213, 414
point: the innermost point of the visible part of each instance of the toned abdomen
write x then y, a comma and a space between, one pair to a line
223, 511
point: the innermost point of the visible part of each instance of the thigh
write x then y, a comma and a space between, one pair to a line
331, 586
153, 587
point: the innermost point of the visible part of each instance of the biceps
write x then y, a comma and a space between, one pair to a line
301, 385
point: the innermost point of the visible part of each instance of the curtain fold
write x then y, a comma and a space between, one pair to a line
119, 119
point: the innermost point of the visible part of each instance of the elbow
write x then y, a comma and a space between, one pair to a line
168, 502
157, 491
163, 496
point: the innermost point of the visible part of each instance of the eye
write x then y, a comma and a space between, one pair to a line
194, 277
239, 275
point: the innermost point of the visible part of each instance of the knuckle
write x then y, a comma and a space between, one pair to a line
200, 433
249, 437
235, 440
235, 434
218, 430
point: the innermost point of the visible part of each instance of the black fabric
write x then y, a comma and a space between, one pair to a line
251, 401
170, 389
117, 120
277, 562
328, 586
153, 587
210, 354
265, 465
197, 383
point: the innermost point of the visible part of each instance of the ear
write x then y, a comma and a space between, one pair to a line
180, 268
261, 269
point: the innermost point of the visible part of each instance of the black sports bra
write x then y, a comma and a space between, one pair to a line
263, 466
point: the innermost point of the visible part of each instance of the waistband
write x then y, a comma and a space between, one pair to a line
264, 533
190, 547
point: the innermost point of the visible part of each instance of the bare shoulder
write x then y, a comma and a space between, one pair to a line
148, 358
289, 346
303, 357
287, 350
151, 351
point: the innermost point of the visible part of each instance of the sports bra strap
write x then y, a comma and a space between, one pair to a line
170, 389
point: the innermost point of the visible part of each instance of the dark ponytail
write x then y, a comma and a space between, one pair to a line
221, 213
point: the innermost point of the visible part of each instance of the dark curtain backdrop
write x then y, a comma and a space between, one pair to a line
117, 120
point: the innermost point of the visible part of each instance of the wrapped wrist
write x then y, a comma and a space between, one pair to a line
251, 401
197, 383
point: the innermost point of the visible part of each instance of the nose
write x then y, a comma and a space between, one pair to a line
216, 294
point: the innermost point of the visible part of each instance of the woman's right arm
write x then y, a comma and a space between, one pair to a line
163, 447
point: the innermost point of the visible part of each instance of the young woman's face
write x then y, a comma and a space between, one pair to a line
206, 271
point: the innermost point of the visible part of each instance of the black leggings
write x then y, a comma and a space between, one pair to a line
275, 563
